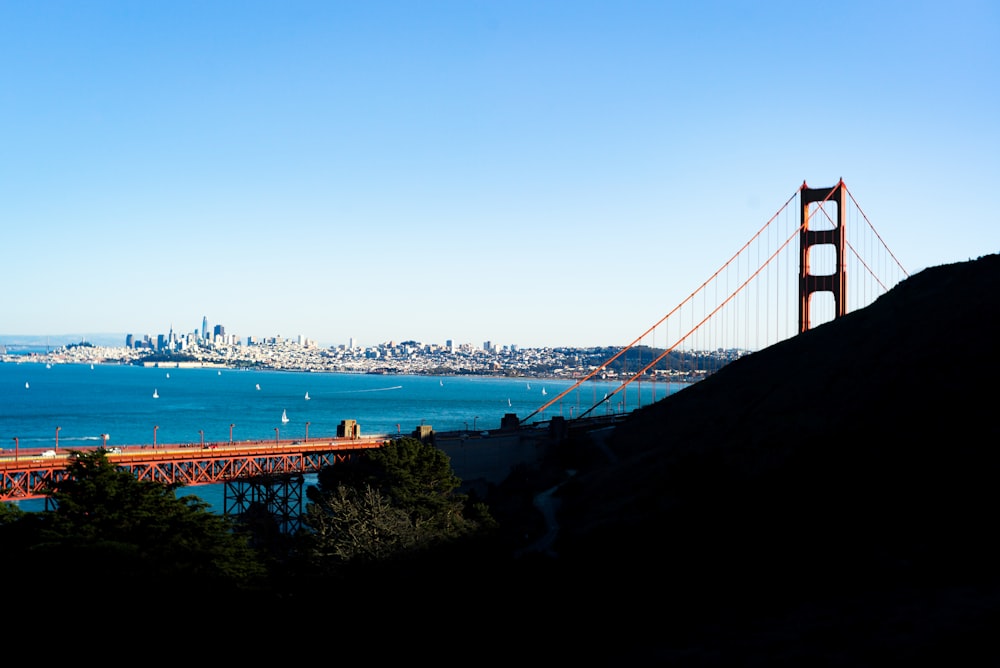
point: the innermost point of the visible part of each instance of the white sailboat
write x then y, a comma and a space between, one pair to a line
307, 396
544, 392
258, 386
156, 395
26, 385
284, 417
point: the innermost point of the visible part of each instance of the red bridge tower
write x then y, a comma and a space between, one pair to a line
809, 283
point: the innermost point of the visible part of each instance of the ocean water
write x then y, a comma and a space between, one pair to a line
193, 405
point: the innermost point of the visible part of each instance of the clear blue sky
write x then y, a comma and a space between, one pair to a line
529, 173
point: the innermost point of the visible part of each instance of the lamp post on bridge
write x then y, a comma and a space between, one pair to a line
202, 432
155, 427
104, 441
17, 444
276, 436
307, 432
231, 425
57, 438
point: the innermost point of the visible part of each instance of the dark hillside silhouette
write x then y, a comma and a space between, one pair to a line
835, 495
830, 501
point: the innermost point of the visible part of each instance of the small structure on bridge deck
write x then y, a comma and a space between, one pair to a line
558, 428
509, 422
348, 429
424, 433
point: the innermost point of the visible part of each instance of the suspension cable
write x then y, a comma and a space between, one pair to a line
703, 321
621, 352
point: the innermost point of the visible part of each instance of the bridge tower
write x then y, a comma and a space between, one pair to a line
809, 283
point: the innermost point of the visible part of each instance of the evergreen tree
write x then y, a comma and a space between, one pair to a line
387, 503
9, 513
107, 523
359, 525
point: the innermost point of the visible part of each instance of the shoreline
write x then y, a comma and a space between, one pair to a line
412, 367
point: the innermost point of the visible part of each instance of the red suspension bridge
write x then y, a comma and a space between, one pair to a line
772, 288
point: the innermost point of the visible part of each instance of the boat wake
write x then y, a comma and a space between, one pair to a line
375, 389
62, 439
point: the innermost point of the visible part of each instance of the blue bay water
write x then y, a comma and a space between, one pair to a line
86, 401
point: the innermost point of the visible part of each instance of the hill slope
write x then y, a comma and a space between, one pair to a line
836, 494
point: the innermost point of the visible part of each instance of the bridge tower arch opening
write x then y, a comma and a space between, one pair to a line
821, 237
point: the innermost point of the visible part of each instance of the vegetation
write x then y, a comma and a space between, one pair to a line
107, 524
168, 356
386, 507
388, 504
9, 513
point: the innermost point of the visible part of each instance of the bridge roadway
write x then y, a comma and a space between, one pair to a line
484, 456
28, 472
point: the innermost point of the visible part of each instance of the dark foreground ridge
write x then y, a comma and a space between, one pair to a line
829, 501
832, 497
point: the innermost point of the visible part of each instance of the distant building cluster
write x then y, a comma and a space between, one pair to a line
215, 348
205, 337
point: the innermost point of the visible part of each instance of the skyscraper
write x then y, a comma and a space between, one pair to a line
204, 327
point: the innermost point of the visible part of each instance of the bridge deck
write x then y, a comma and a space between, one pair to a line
27, 474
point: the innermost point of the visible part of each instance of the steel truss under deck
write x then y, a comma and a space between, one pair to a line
244, 469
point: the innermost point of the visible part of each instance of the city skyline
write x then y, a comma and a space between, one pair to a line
207, 331
549, 174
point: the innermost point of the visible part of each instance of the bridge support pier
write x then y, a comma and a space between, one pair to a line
280, 496
809, 283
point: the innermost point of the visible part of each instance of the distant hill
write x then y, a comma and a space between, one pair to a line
41, 341
835, 495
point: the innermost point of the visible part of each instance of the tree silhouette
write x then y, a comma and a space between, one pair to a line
387, 503
108, 524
